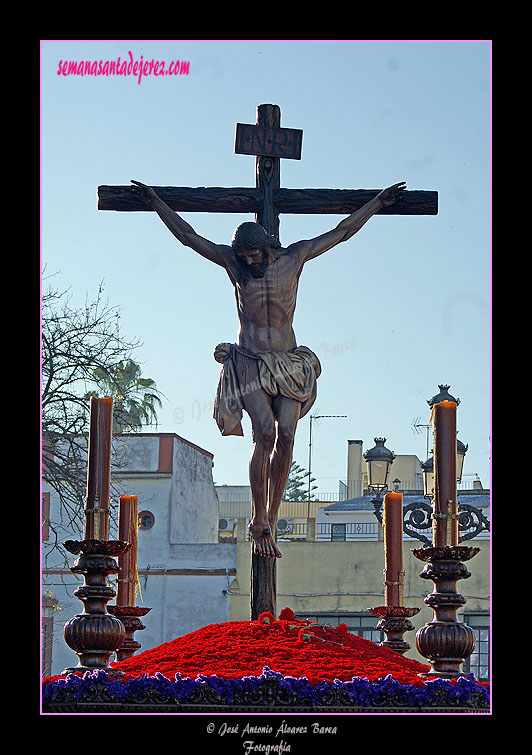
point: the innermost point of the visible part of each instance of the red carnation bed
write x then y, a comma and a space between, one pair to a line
230, 659
289, 646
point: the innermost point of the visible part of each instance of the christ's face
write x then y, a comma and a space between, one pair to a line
254, 261
251, 256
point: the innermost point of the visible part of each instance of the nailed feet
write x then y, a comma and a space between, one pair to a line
263, 540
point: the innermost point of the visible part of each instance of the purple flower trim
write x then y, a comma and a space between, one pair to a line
360, 691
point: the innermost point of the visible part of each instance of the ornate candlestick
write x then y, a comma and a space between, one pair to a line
445, 641
130, 618
394, 622
125, 608
94, 634
394, 616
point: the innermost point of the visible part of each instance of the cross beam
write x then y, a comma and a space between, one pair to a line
289, 201
269, 142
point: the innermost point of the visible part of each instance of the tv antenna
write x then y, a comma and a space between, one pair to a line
316, 416
416, 428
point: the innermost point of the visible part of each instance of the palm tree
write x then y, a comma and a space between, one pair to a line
136, 398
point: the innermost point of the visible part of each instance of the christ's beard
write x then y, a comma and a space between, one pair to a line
256, 270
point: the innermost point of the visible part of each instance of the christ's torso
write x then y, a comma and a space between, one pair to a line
266, 306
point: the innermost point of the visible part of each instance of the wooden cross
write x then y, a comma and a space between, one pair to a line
267, 200
269, 143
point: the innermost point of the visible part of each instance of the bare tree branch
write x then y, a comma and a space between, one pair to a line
79, 345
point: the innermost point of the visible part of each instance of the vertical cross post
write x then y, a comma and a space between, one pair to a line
268, 173
269, 143
263, 585
267, 179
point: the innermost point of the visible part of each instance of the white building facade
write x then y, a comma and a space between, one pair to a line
184, 572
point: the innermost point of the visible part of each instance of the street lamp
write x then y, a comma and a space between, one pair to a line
428, 477
461, 450
379, 460
417, 515
428, 469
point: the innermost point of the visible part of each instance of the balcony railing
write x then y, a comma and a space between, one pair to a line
327, 532
288, 509
347, 531
294, 531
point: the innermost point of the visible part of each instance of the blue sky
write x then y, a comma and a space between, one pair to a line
400, 308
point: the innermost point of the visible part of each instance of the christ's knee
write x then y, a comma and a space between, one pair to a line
264, 435
285, 439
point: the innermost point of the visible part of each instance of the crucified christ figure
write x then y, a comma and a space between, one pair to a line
265, 373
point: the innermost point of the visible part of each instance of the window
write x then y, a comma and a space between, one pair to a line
359, 624
146, 520
337, 532
478, 661
45, 516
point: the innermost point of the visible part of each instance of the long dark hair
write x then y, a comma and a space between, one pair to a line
252, 236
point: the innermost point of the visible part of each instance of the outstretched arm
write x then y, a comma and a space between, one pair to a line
217, 253
349, 226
